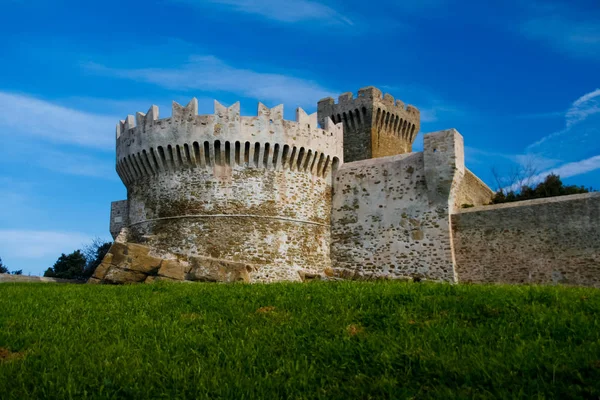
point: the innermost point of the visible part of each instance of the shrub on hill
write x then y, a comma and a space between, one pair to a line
80, 264
549, 187
69, 266
4, 269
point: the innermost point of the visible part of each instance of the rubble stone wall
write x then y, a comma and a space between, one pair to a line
553, 240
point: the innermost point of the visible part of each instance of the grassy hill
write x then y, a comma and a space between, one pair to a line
347, 340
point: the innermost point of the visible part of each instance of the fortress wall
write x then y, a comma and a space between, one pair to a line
119, 217
553, 240
375, 125
473, 191
391, 215
250, 189
276, 220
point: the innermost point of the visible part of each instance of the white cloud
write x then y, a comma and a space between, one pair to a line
572, 169
24, 115
31, 244
568, 152
208, 73
289, 11
581, 109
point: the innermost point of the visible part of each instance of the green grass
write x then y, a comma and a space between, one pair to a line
348, 340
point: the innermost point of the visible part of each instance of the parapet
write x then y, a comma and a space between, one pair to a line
146, 143
369, 95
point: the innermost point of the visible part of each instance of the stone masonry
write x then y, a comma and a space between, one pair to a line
338, 194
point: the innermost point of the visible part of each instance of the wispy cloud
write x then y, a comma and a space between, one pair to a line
23, 115
571, 151
571, 169
288, 11
210, 74
565, 28
31, 244
575, 117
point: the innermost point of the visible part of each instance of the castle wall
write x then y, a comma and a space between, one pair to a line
375, 125
255, 190
472, 191
119, 217
277, 220
553, 240
391, 215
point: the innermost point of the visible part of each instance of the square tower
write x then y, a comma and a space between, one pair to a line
374, 124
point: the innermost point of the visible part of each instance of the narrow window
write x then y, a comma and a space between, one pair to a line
275, 155
237, 153
293, 157
335, 164
188, 156
247, 153
266, 155
312, 165
207, 154
284, 156
179, 157
161, 153
320, 164
308, 157
218, 156
227, 153
300, 157
256, 154
196, 147
358, 121
153, 156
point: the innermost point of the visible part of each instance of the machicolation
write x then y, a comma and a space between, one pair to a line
225, 197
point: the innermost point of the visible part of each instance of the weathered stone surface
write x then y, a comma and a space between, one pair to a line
173, 269
552, 241
118, 275
260, 191
102, 269
374, 124
94, 281
215, 270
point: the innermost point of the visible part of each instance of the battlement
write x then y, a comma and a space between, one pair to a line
375, 124
147, 145
370, 94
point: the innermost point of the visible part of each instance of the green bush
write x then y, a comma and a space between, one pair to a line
550, 187
68, 266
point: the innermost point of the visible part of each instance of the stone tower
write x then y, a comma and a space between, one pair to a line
229, 188
374, 125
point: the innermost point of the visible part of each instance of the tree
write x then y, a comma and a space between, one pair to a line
551, 186
3, 268
68, 266
94, 253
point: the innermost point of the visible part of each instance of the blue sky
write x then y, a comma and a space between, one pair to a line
518, 79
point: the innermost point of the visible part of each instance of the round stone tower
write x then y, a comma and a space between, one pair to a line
255, 190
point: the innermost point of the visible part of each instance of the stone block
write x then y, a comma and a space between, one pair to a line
119, 276
218, 270
102, 269
173, 269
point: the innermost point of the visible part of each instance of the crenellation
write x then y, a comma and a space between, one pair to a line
337, 190
373, 123
370, 92
388, 99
